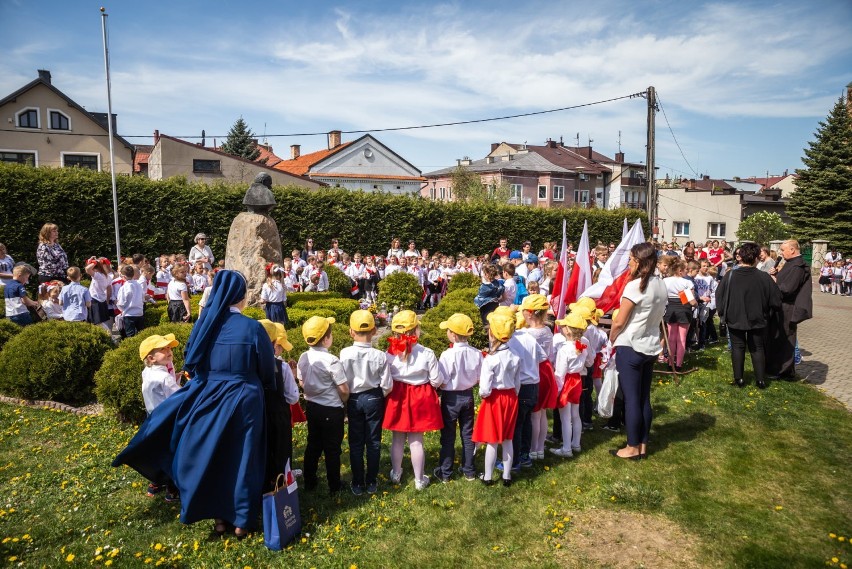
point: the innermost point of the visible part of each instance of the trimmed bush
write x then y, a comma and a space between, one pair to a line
53, 361
400, 289
297, 316
338, 281
341, 308
154, 312
466, 294
463, 280
118, 384
7, 330
445, 309
254, 312
294, 298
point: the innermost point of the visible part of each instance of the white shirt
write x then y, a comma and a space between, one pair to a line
98, 287
510, 290
391, 269
199, 282
569, 360
500, 370
460, 367
365, 368
398, 253
52, 309
173, 291
321, 373
410, 253
595, 339
158, 383
642, 331
291, 390
355, 271
674, 285
544, 337
197, 253
522, 270
530, 353
272, 292
420, 368
131, 298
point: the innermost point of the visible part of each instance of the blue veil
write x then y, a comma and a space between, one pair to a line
229, 288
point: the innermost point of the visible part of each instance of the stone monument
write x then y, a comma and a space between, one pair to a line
253, 239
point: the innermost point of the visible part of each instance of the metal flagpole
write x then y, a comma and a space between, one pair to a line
111, 135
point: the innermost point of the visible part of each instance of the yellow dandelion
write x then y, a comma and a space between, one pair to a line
834, 559
353, 566
831, 535
779, 508
331, 550
843, 566
108, 562
158, 547
69, 558
841, 538
13, 558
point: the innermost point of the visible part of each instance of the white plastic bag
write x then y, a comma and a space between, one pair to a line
606, 398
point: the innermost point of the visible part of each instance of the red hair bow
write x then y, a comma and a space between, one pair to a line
401, 345
579, 345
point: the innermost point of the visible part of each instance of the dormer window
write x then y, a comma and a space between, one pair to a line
28, 118
59, 121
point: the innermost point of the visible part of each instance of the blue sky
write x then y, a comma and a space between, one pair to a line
743, 84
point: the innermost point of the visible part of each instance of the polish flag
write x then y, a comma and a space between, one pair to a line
560, 283
581, 276
615, 274
624, 230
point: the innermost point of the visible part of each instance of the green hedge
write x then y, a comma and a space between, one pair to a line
341, 308
7, 330
362, 221
53, 361
118, 383
401, 290
297, 316
295, 298
463, 280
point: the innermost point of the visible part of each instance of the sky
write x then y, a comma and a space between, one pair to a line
742, 85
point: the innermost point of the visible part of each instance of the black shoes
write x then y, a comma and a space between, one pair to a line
739, 382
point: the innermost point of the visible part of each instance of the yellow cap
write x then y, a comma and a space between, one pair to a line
502, 326
520, 321
362, 321
282, 337
458, 323
591, 315
404, 321
156, 342
534, 302
573, 320
584, 302
504, 311
315, 328
270, 328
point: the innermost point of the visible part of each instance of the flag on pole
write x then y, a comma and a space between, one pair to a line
581, 275
615, 274
560, 283
624, 230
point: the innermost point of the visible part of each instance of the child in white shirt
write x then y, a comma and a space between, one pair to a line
130, 301
273, 295
49, 299
570, 364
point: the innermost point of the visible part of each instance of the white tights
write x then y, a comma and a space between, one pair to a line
415, 447
572, 426
539, 431
491, 459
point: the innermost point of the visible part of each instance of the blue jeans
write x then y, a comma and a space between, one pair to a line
366, 411
457, 407
634, 378
133, 325
22, 319
522, 439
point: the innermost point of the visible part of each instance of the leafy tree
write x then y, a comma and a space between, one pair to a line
468, 187
763, 227
240, 141
820, 206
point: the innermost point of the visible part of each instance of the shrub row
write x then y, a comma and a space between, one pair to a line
80, 202
400, 290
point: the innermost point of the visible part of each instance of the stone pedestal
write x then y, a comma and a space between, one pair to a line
818, 252
253, 241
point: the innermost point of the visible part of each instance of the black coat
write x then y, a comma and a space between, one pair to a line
747, 298
794, 280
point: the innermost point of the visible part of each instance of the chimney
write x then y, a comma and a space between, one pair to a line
588, 150
494, 146
333, 139
295, 151
691, 185
551, 143
706, 177
619, 157
156, 136
44, 75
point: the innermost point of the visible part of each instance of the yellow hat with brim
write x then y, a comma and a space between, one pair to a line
505, 311
362, 321
590, 315
585, 302
574, 320
502, 326
282, 337
315, 328
156, 342
270, 328
458, 323
520, 321
404, 321
534, 302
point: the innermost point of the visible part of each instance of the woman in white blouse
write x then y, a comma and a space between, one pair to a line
201, 252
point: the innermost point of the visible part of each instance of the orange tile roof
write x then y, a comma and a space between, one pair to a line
143, 152
366, 176
302, 165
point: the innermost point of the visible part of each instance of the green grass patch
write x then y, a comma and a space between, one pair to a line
748, 478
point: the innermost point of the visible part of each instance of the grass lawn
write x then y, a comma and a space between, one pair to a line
736, 478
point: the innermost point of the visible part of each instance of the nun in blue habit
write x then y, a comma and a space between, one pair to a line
209, 437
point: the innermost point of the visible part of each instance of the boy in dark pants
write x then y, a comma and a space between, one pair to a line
459, 368
324, 383
369, 381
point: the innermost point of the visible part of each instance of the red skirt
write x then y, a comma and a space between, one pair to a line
547, 391
412, 409
597, 372
495, 421
296, 414
572, 389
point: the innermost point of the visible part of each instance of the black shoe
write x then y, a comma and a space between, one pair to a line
507, 482
739, 382
484, 481
439, 475
761, 384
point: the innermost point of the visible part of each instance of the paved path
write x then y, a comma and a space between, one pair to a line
825, 342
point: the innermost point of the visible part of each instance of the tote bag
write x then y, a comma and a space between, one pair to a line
281, 519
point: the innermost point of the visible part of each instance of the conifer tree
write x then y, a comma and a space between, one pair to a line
821, 206
240, 141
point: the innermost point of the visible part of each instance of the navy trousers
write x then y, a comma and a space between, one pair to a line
634, 378
522, 439
456, 408
365, 411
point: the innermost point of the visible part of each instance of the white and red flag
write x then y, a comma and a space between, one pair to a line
615, 274
565, 291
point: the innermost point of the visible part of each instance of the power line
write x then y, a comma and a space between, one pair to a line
389, 129
674, 137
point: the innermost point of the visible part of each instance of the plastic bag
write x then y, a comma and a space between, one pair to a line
606, 398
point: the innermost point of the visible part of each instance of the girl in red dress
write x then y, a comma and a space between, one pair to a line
570, 364
412, 408
499, 383
534, 310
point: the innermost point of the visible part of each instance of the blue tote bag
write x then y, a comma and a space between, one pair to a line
281, 519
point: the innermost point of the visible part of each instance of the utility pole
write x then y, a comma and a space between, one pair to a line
651, 193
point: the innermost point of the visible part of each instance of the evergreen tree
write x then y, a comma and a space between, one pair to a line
821, 206
240, 141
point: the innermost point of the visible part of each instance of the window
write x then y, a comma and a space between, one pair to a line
90, 161
28, 158
558, 193
28, 118
517, 190
59, 121
432, 192
715, 230
443, 193
581, 196
542, 192
681, 229
206, 166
